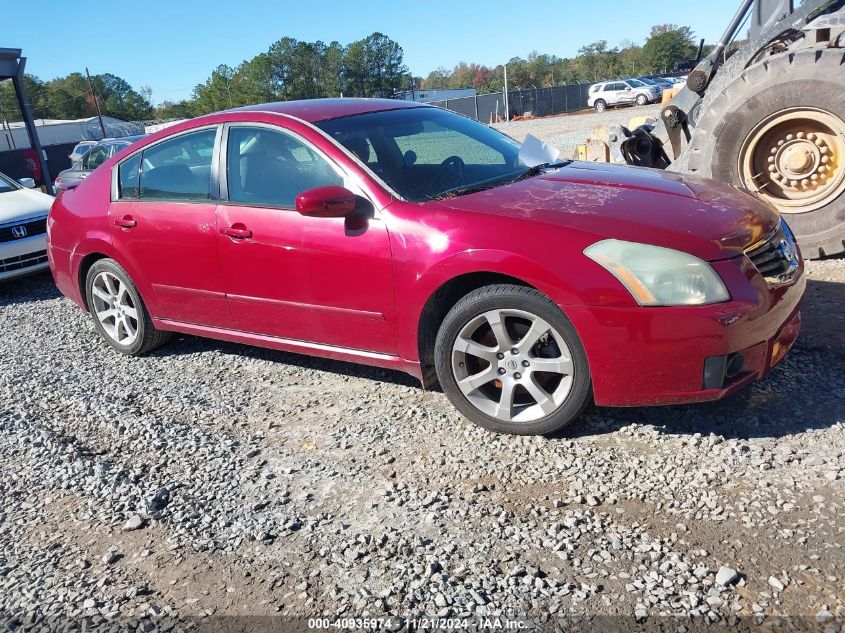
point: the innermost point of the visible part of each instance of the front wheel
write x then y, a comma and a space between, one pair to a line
642, 100
510, 361
119, 313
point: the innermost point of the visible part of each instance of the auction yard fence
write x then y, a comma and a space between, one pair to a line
537, 101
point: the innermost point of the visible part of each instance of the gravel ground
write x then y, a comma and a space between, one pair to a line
567, 131
215, 479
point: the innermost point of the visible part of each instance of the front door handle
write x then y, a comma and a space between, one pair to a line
238, 232
126, 222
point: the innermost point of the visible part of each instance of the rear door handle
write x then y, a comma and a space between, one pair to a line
126, 223
236, 232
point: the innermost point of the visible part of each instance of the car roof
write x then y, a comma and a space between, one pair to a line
316, 110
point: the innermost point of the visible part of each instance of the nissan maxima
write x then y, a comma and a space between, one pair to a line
408, 237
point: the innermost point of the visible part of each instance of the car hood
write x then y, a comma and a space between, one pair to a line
23, 204
705, 218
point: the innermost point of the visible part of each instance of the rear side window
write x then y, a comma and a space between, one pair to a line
127, 176
178, 169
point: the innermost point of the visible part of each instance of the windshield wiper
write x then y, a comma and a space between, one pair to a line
536, 169
461, 191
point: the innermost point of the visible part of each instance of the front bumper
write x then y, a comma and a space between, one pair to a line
656, 355
23, 257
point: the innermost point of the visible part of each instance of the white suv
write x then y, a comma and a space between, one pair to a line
606, 94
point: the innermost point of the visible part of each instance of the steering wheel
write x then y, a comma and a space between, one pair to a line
449, 174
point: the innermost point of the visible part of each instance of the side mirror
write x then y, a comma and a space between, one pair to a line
29, 183
628, 89
326, 202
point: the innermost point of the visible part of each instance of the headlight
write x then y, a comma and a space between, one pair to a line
658, 276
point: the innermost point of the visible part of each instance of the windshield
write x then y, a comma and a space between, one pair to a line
635, 83
7, 184
648, 81
426, 153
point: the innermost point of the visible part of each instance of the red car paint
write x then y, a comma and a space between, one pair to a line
315, 285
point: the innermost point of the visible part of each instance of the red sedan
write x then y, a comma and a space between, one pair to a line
408, 237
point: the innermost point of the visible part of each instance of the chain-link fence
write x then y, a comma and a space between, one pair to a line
538, 101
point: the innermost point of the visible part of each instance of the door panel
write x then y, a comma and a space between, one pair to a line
166, 228
320, 280
173, 247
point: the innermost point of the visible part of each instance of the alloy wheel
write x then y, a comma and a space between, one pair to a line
114, 308
512, 365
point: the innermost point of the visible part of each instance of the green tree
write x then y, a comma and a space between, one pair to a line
667, 45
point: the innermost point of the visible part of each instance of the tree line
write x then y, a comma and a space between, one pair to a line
666, 45
371, 67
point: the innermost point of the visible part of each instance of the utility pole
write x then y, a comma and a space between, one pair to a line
7, 129
97, 103
507, 112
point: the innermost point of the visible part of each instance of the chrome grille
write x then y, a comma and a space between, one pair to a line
23, 261
776, 257
32, 227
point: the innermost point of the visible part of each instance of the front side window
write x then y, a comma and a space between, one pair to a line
427, 153
179, 168
270, 167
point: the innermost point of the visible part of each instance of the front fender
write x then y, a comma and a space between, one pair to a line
420, 287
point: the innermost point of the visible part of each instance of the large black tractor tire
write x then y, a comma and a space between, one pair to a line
812, 80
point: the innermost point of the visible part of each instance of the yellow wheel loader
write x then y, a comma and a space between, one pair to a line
769, 118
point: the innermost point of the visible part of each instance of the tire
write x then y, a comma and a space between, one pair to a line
813, 80
106, 275
642, 100
600, 105
564, 383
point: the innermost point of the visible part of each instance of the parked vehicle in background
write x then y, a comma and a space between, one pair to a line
607, 94
405, 236
80, 149
96, 156
23, 227
662, 82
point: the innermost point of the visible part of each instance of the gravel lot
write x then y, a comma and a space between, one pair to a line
568, 131
212, 479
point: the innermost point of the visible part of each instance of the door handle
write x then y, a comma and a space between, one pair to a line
236, 232
126, 222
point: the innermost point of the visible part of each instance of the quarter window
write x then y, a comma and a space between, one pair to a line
271, 167
179, 169
128, 177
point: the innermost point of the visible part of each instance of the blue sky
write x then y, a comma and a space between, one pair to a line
173, 45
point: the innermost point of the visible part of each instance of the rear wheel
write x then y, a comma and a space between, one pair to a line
778, 130
118, 311
510, 361
600, 105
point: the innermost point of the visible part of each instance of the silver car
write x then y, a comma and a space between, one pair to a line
608, 94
